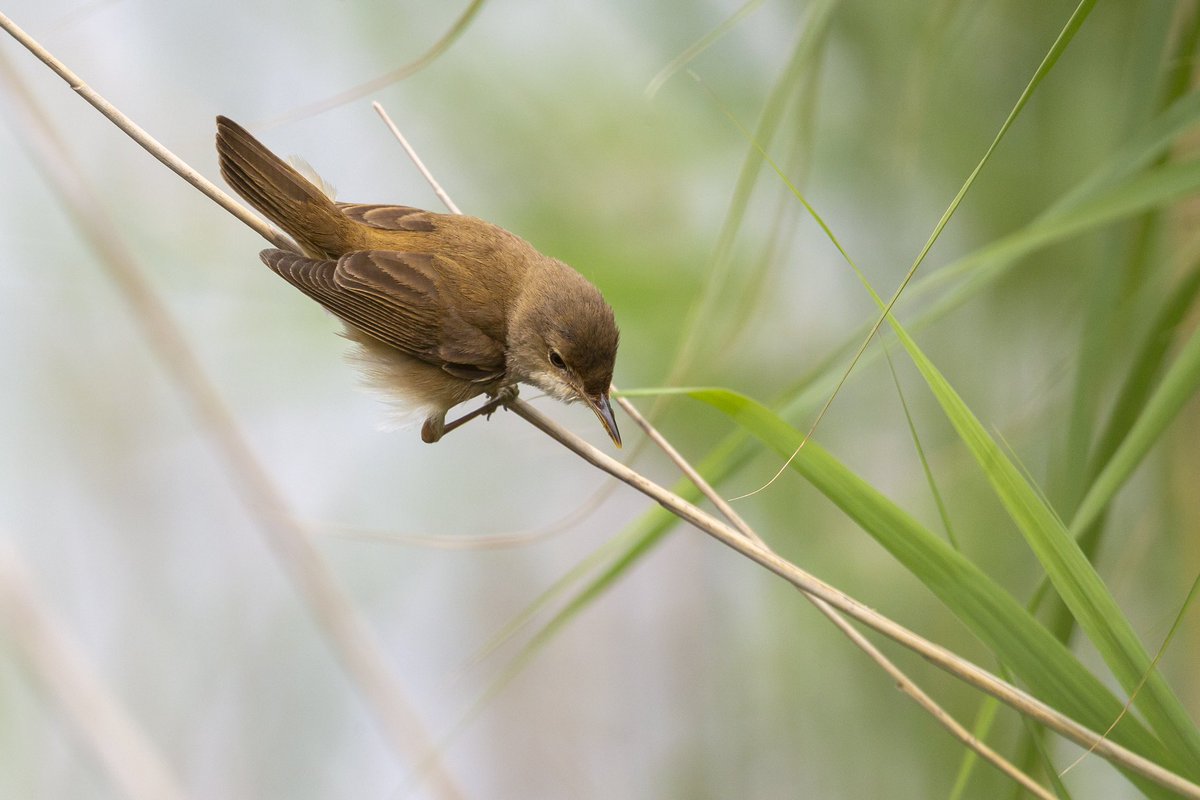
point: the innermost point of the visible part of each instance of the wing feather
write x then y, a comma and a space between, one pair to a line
398, 299
392, 218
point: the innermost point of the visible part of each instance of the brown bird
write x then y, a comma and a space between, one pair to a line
445, 307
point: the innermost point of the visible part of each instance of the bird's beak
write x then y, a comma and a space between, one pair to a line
604, 413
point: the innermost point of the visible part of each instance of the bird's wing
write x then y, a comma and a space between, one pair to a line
391, 218
398, 299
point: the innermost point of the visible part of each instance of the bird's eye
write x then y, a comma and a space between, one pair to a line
557, 360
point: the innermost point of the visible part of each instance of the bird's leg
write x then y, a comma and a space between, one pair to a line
484, 410
502, 398
432, 430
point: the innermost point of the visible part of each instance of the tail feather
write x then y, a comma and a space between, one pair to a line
279, 192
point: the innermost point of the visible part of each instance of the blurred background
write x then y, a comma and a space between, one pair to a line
696, 674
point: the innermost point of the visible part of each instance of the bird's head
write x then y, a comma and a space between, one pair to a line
563, 340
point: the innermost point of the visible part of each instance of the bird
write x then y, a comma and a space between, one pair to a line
443, 307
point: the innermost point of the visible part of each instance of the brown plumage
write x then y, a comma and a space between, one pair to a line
445, 307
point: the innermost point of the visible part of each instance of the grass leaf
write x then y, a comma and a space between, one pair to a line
1073, 576
991, 613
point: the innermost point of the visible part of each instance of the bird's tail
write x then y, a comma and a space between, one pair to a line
281, 193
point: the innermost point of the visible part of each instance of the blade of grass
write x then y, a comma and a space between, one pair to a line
814, 28
938, 655
443, 44
1179, 385
1131, 400
638, 539
1077, 582
912, 429
1148, 362
991, 613
1072, 574
696, 48
1124, 260
1056, 50
971, 274
1179, 617
984, 719
1111, 194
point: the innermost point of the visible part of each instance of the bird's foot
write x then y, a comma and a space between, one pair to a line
501, 398
437, 427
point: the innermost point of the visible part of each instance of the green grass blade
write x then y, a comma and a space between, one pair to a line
1113, 192
993, 615
696, 48
1056, 50
925, 468
1179, 385
984, 720
1149, 190
1101, 199
1146, 365
637, 540
460, 24
1149, 144
697, 328
1069, 570
1068, 32
1131, 400
586, 566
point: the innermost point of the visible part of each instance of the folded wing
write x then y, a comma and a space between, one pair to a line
396, 298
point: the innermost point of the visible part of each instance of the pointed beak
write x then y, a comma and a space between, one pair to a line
604, 413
